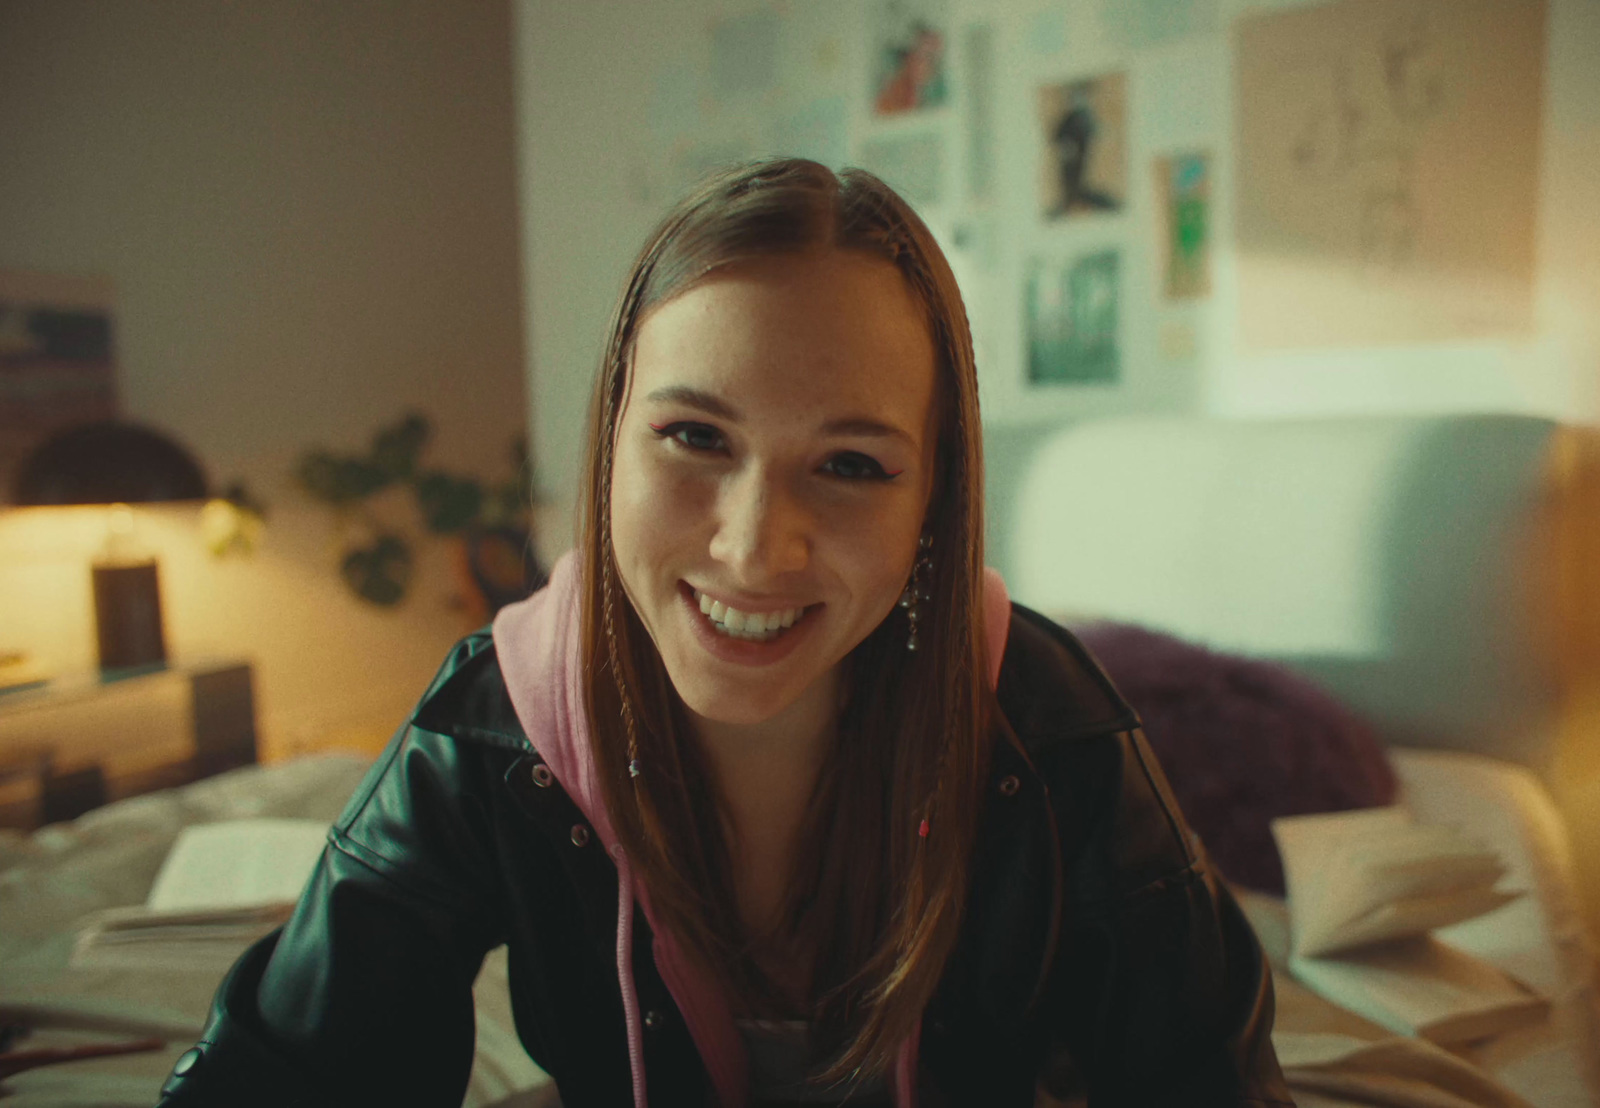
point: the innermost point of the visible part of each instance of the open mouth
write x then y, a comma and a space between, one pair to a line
749, 626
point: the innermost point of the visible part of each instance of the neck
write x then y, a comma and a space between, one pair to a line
764, 774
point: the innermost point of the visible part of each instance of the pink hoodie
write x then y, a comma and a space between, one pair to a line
538, 641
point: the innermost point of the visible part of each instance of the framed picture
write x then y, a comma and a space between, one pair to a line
1084, 146
1183, 183
57, 365
909, 64
1072, 318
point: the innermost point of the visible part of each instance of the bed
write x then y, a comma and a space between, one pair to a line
1383, 558
1437, 576
54, 878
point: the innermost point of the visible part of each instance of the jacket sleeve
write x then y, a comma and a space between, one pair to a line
1161, 990
365, 996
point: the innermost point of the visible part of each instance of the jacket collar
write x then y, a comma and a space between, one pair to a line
1050, 688
469, 701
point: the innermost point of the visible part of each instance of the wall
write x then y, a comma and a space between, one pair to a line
308, 214
617, 103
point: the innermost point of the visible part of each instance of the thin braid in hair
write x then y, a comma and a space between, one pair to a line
609, 593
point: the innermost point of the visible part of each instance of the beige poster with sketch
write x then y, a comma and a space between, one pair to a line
1386, 190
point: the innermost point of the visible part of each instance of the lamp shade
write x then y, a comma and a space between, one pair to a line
108, 463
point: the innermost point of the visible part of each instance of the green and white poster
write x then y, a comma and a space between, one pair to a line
1184, 181
1072, 313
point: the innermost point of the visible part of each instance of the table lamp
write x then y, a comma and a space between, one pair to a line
116, 464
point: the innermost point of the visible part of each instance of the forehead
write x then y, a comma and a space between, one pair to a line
826, 330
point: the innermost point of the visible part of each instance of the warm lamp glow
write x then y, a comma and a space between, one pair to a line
228, 528
117, 464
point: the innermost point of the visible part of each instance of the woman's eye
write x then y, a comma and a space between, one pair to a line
696, 436
856, 467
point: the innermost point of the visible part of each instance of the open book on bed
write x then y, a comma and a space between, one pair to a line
222, 886
1365, 890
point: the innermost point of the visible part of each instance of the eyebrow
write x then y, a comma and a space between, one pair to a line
715, 406
694, 398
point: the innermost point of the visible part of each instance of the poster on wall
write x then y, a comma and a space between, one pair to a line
744, 55
1071, 319
1083, 133
57, 368
1183, 188
818, 130
908, 49
690, 163
1141, 24
1387, 175
913, 164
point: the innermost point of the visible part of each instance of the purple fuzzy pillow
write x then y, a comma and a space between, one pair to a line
1242, 742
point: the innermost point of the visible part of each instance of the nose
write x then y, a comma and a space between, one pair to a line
762, 531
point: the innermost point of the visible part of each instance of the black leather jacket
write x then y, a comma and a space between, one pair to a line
1099, 955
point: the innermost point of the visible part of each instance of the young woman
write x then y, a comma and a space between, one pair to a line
772, 794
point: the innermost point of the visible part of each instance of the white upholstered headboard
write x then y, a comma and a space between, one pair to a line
1405, 563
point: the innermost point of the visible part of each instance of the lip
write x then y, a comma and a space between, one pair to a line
744, 652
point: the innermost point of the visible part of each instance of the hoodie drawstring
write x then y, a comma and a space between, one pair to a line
630, 992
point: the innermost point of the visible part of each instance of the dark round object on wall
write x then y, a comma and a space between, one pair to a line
503, 565
108, 463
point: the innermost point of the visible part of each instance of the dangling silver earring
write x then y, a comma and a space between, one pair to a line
916, 589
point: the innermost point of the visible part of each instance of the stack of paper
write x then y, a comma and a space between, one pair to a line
1365, 888
138, 938
222, 886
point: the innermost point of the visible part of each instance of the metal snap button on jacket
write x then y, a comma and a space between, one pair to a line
580, 834
184, 1066
1009, 784
542, 775
653, 1019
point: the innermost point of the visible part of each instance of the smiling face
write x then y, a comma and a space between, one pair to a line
773, 463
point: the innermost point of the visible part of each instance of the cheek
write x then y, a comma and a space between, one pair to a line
875, 553
655, 509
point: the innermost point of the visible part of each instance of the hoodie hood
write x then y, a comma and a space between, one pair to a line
539, 643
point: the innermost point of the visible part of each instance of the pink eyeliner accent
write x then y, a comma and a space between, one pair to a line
893, 472
659, 426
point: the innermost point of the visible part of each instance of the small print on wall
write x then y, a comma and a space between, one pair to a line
56, 363
1183, 182
1072, 315
911, 163
1083, 125
909, 67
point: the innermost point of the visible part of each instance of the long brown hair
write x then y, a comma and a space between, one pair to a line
876, 899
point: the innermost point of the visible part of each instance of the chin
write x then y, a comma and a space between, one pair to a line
741, 705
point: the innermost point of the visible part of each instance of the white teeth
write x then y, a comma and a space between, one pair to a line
755, 626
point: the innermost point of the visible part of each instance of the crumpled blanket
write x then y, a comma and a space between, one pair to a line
50, 880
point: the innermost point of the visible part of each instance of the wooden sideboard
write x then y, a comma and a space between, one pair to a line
78, 741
